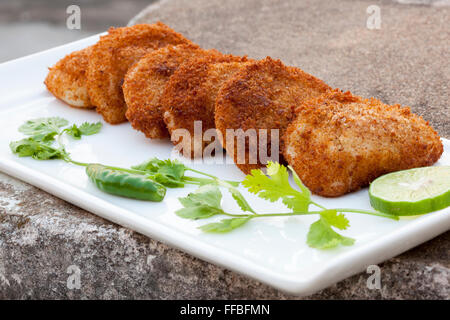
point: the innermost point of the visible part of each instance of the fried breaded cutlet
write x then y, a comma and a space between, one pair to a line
67, 79
190, 96
113, 55
339, 142
262, 95
145, 82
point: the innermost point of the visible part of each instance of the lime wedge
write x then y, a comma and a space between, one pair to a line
411, 192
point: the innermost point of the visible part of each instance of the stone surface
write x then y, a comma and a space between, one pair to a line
42, 238
405, 61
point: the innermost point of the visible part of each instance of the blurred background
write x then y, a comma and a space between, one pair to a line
29, 26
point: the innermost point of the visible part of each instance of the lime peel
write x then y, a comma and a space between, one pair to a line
412, 192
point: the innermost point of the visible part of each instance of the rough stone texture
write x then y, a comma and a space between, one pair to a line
406, 61
41, 236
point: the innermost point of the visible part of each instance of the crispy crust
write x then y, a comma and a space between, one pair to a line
113, 55
67, 79
263, 95
339, 142
190, 96
145, 82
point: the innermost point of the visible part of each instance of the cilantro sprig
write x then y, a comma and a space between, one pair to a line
274, 185
42, 134
172, 174
44, 142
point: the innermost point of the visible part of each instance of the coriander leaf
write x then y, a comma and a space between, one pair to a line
151, 165
167, 181
240, 200
197, 212
237, 196
37, 150
88, 129
296, 204
208, 195
276, 186
43, 126
47, 138
299, 183
336, 220
322, 236
272, 188
74, 132
202, 203
172, 168
225, 225
167, 172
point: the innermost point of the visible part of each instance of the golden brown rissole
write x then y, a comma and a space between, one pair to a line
145, 82
113, 55
262, 95
67, 79
339, 142
190, 96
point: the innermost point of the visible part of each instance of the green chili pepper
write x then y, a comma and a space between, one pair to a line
125, 184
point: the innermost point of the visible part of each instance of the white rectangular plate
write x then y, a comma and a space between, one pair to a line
271, 250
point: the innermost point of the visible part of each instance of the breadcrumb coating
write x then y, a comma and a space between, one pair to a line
190, 96
67, 79
145, 82
113, 55
339, 142
262, 95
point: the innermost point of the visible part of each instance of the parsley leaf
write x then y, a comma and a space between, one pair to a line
322, 236
225, 225
276, 186
29, 147
202, 203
